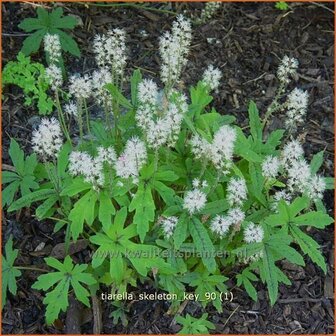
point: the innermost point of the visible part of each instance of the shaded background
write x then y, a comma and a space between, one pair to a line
246, 41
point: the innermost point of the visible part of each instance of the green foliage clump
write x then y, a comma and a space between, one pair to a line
30, 77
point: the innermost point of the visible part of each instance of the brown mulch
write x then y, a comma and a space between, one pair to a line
246, 40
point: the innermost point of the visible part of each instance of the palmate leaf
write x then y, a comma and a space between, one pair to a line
9, 271
194, 326
206, 283
67, 276
115, 245
52, 23
288, 217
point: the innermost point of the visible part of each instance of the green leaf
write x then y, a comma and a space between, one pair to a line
83, 211
67, 42
66, 22
78, 185
63, 159
273, 140
31, 198
199, 99
17, 156
106, 210
270, 273
245, 279
31, 24
257, 181
135, 80
8, 177
9, 192
330, 183
203, 243
194, 326
166, 175
316, 162
144, 207
243, 148
215, 207
181, 231
308, 246
166, 193
44, 208
255, 123
118, 96
9, 271
282, 5
317, 219
32, 43
66, 276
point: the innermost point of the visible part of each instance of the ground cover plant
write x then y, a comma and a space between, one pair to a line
162, 186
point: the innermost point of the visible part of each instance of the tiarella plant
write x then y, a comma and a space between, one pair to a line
163, 187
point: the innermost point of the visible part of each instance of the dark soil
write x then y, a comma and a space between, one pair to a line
246, 40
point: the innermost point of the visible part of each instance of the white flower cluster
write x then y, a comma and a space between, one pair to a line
287, 68
52, 46
168, 225
100, 78
132, 159
270, 166
47, 139
53, 74
197, 183
253, 233
254, 257
127, 165
297, 103
220, 151
110, 50
209, 11
71, 109
194, 200
80, 86
281, 195
221, 224
211, 77
92, 169
174, 48
159, 119
236, 191
300, 178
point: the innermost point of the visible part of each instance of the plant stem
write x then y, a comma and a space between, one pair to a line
204, 165
274, 105
61, 118
87, 117
80, 119
32, 269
